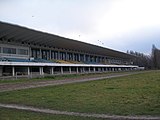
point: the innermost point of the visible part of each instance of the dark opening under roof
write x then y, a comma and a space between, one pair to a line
22, 34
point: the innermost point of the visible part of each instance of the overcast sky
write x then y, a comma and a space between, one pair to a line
118, 24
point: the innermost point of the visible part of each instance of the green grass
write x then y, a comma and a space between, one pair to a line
137, 94
55, 77
11, 114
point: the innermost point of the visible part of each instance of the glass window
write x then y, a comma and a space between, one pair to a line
22, 51
9, 50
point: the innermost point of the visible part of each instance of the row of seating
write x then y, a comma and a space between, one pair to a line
38, 60
24, 60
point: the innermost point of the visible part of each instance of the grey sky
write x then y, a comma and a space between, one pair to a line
118, 24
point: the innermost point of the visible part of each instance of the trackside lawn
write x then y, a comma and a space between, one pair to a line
12, 114
137, 94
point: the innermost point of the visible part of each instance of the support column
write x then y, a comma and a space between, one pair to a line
89, 69
70, 70
28, 69
40, 53
77, 70
79, 57
73, 56
61, 70
13, 71
52, 70
67, 57
58, 55
103, 69
94, 69
41, 70
1, 69
50, 54
84, 58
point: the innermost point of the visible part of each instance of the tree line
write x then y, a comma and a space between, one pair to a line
151, 61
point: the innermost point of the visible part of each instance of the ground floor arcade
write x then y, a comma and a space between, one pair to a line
42, 69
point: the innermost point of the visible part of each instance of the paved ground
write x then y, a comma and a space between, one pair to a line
105, 116
26, 85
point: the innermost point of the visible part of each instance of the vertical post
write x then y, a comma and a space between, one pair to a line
58, 55
1, 70
13, 71
94, 69
102, 69
79, 56
89, 69
84, 58
30, 52
70, 70
40, 53
61, 70
28, 69
77, 70
52, 70
73, 57
41, 71
66, 58
50, 54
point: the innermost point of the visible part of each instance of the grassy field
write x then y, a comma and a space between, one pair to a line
131, 95
10, 114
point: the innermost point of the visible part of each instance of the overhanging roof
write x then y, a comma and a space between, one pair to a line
22, 34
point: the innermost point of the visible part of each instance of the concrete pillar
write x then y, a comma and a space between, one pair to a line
58, 55
73, 57
67, 57
40, 53
94, 69
13, 71
70, 70
1, 68
28, 70
89, 69
79, 57
77, 70
50, 54
112, 69
61, 70
30, 52
84, 57
41, 71
52, 70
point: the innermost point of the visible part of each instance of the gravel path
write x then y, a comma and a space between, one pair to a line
18, 86
105, 116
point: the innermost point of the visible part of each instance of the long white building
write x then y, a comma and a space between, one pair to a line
24, 51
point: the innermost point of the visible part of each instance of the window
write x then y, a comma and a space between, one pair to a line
22, 51
9, 50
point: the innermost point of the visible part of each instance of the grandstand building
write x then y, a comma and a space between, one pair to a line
24, 51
